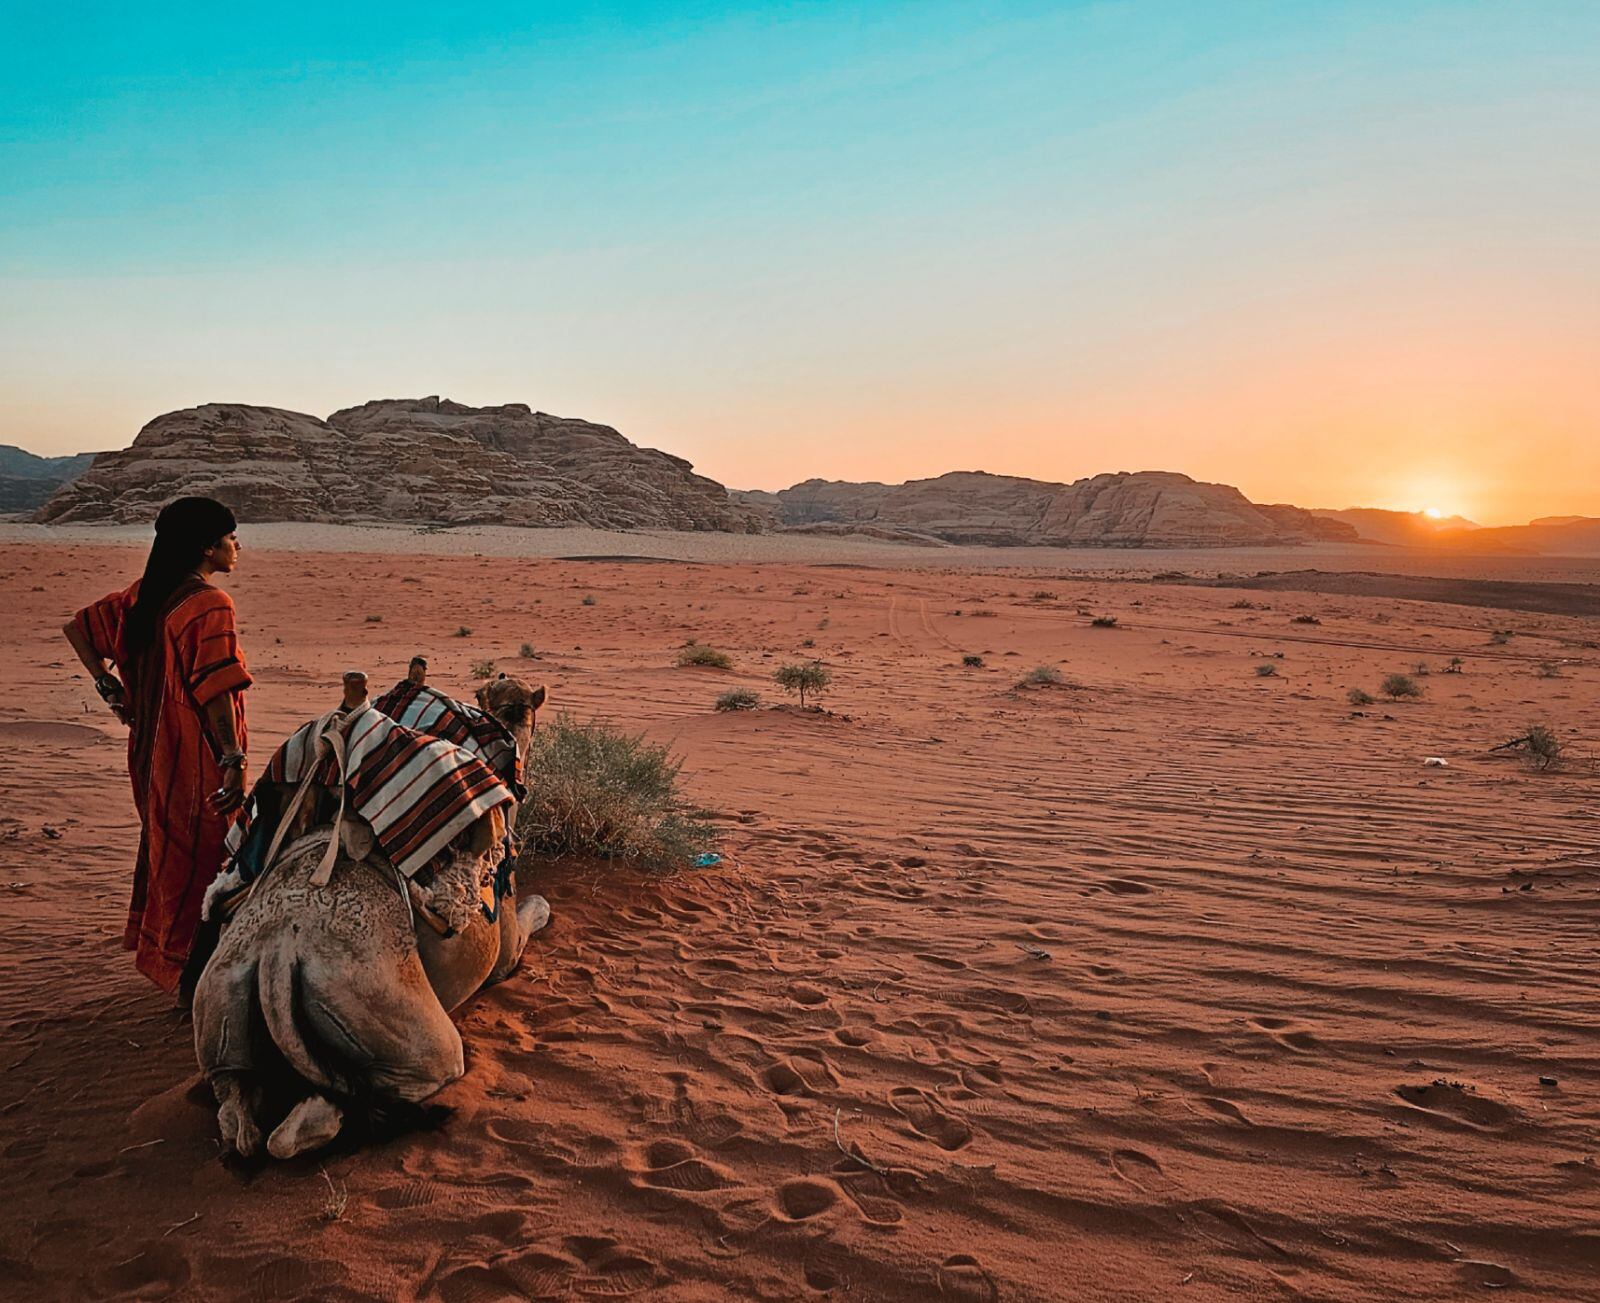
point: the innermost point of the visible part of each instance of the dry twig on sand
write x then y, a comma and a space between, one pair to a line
852, 1154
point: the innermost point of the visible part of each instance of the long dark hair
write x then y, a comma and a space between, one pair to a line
184, 530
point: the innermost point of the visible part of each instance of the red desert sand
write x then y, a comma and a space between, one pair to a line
1174, 980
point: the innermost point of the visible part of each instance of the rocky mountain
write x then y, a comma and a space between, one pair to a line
425, 460
1403, 528
1139, 509
26, 480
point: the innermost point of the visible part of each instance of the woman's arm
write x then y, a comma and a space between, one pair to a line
106, 683
219, 713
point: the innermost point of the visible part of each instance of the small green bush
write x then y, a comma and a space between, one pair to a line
1359, 697
1040, 676
1266, 670
1549, 670
1104, 622
738, 699
1044, 595
1500, 637
596, 791
374, 619
706, 657
482, 669
527, 652
1305, 619
463, 632
810, 677
972, 662
1454, 667
1397, 686
588, 599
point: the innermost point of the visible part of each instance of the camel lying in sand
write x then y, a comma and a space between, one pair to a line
331, 986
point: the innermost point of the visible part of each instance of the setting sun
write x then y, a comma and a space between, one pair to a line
1433, 513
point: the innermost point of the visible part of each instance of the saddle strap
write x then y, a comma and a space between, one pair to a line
335, 741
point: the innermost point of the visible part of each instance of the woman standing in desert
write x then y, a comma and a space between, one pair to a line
171, 637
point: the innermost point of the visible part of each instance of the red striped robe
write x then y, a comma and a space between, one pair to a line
172, 760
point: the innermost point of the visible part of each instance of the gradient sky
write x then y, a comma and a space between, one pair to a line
1332, 253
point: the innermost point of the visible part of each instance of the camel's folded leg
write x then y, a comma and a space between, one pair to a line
516, 926
311, 1123
238, 1101
224, 1042
386, 1018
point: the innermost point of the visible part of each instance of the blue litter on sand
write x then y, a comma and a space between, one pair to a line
706, 859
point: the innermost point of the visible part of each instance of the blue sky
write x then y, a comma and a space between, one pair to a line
1261, 243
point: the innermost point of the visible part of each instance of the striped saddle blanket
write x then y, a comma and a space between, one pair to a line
417, 792
429, 711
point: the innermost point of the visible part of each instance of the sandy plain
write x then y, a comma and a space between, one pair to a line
1177, 981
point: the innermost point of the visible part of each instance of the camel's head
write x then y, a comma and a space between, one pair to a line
513, 702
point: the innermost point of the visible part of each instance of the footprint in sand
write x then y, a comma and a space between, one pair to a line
1139, 1169
961, 1276
1225, 1108
674, 1165
929, 1118
1456, 1103
155, 1272
1289, 1034
806, 1198
939, 961
1126, 887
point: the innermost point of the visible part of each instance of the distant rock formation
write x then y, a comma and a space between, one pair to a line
426, 460
27, 481
1403, 528
1139, 509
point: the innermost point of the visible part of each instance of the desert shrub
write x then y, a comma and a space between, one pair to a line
482, 669
1401, 685
972, 662
738, 699
1044, 595
1245, 604
1040, 676
1305, 619
983, 615
1266, 670
1549, 670
1500, 637
1539, 744
527, 652
811, 676
808, 642
1104, 622
1454, 667
709, 657
588, 599
1421, 670
374, 619
1544, 748
462, 631
594, 790
1359, 697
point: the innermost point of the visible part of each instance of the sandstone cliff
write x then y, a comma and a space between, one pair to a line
424, 460
1143, 509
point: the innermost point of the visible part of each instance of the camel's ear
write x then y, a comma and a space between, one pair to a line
538, 698
417, 672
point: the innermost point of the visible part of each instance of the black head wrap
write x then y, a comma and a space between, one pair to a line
184, 530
